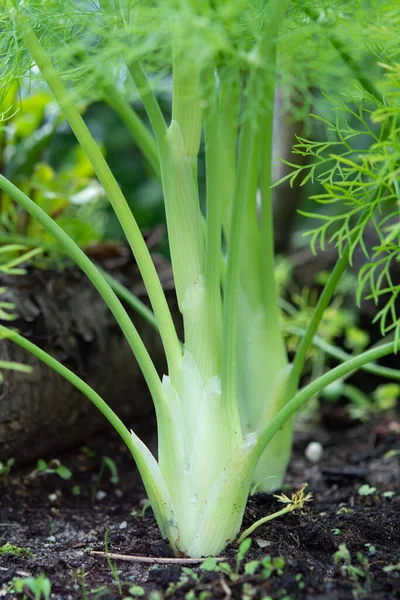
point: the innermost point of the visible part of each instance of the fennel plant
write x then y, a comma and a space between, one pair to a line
225, 409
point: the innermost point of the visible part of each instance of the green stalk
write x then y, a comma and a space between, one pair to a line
341, 355
183, 214
257, 524
186, 242
186, 102
262, 360
267, 226
214, 176
268, 53
119, 204
135, 126
228, 126
316, 386
318, 313
120, 314
132, 300
243, 189
241, 249
149, 100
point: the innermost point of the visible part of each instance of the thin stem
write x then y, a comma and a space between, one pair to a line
257, 524
120, 206
132, 300
149, 100
316, 386
341, 355
318, 313
92, 272
140, 134
27, 241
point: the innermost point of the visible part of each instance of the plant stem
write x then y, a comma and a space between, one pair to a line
341, 355
149, 100
228, 126
120, 206
214, 213
267, 276
23, 239
135, 126
243, 189
257, 524
92, 272
316, 386
319, 310
132, 300
186, 100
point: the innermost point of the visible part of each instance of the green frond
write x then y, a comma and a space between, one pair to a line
93, 41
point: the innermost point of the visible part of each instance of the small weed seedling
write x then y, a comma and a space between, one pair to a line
39, 586
108, 462
5, 468
359, 575
266, 565
112, 565
11, 550
366, 490
53, 467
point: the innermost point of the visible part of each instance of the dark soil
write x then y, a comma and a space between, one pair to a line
60, 522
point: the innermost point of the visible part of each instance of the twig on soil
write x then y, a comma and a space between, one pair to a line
226, 589
18, 572
151, 559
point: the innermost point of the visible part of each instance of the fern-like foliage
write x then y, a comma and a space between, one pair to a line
359, 173
93, 41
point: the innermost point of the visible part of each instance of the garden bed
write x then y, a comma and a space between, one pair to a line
59, 520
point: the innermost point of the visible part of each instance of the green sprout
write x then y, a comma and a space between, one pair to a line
39, 586
11, 550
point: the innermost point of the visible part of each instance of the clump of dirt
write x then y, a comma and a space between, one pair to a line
343, 545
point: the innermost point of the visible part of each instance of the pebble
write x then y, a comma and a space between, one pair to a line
100, 495
314, 452
262, 543
123, 525
52, 497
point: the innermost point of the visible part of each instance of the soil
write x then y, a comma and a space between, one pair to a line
60, 520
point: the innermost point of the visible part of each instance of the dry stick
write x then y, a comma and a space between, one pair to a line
226, 589
20, 573
150, 559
